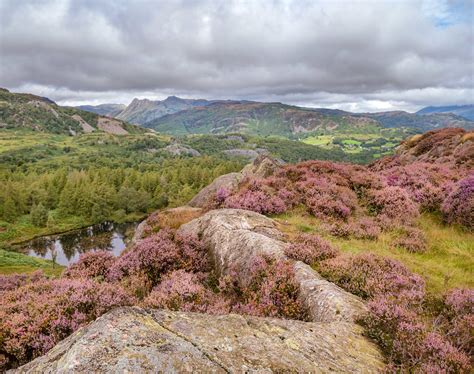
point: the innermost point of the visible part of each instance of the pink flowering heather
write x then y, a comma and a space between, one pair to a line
457, 318
364, 228
412, 239
310, 249
34, 317
14, 281
180, 290
393, 203
410, 346
91, 265
369, 275
161, 253
458, 207
425, 182
270, 291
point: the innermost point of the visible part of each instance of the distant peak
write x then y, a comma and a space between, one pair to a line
173, 98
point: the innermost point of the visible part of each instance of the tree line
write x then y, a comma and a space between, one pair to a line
97, 194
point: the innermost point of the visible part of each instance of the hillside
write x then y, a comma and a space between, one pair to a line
466, 111
143, 111
109, 110
370, 265
421, 123
291, 121
258, 119
27, 111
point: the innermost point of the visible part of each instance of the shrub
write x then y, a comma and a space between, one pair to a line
270, 291
458, 207
257, 201
310, 249
180, 290
425, 182
457, 318
405, 338
393, 203
34, 317
366, 228
13, 281
413, 240
369, 275
160, 253
91, 265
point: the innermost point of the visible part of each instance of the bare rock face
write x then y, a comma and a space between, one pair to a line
135, 340
181, 150
235, 237
263, 166
85, 126
111, 126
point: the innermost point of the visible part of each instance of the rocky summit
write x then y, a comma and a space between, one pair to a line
136, 340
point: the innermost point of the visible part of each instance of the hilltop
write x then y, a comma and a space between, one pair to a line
27, 111
143, 111
109, 110
466, 111
292, 121
258, 119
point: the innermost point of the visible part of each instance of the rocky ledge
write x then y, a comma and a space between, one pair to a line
135, 340
235, 237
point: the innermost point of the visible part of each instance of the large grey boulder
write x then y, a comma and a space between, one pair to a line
263, 166
135, 340
235, 237
181, 150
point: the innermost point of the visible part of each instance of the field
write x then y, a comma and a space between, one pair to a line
447, 263
375, 141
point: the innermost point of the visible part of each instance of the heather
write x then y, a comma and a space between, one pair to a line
412, 239
458, 207
38, 314
397, 314
310, 249
164, 270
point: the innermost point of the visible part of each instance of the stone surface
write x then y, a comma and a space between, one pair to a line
111, 126
85, 126
135, 340
263, 166
235, 237
181, 150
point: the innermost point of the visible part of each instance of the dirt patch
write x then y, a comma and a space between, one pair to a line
111, 126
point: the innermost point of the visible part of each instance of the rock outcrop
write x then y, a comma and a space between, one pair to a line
235, 237
111, 126
135, 340
85, 126
453, 147
263, 166
181, 150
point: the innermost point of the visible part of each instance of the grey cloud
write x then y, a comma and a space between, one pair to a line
334, 53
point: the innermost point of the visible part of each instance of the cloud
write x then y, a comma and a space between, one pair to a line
365, 55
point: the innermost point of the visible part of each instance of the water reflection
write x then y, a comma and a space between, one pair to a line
66, 248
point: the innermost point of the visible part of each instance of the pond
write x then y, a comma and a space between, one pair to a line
66, 248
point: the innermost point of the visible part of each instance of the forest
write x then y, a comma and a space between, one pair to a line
33, 202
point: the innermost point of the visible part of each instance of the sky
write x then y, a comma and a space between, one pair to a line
351, 55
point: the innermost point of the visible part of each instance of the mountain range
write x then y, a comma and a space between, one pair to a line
198, 116
466, 111
178, 116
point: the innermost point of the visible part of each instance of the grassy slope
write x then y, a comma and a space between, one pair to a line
448, 262
13, 262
